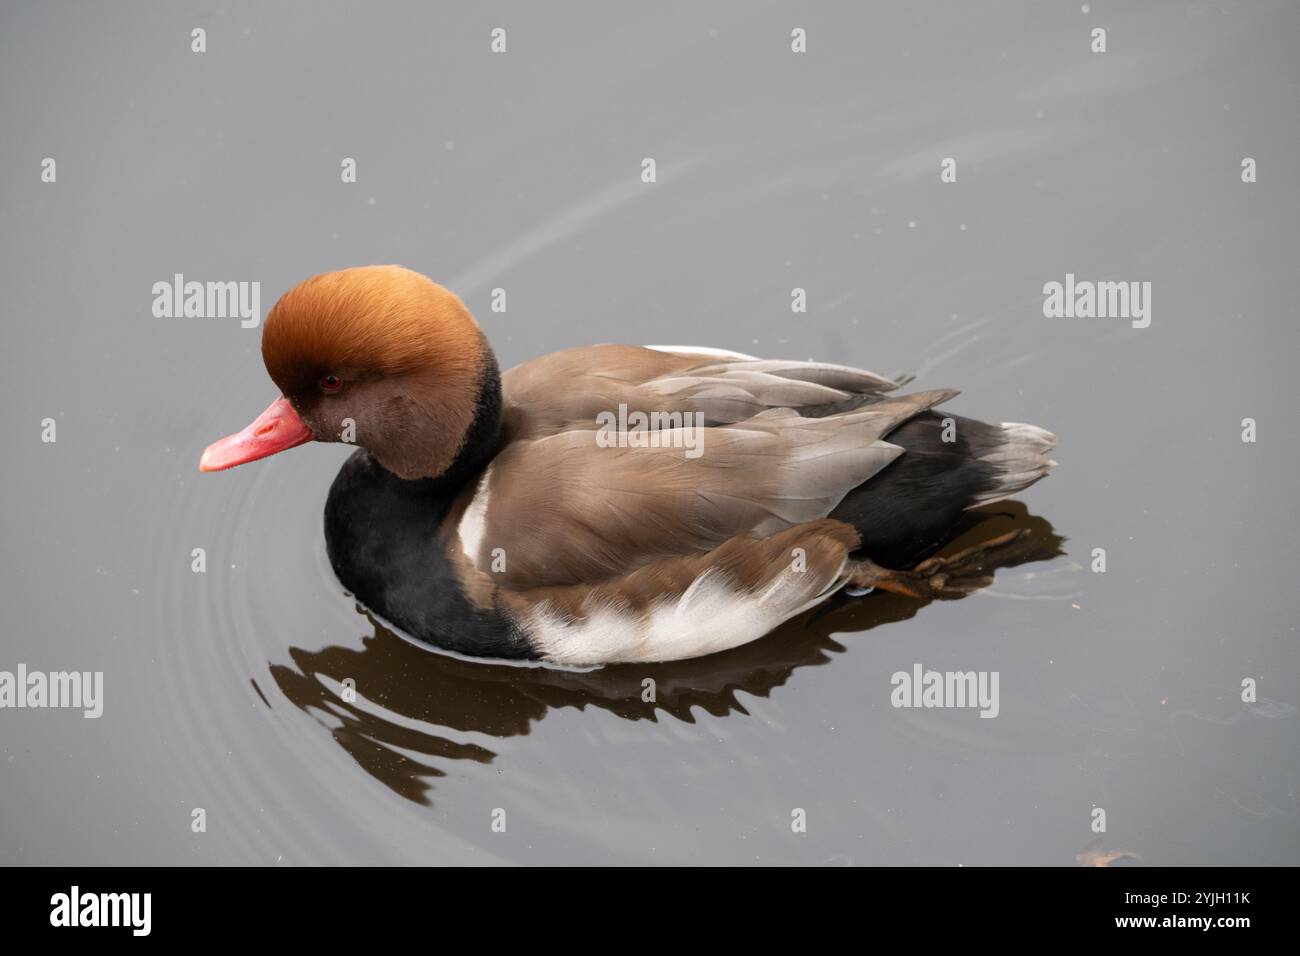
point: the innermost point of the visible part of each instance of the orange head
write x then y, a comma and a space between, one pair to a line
376, 355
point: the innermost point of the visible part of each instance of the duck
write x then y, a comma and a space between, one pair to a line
558, 513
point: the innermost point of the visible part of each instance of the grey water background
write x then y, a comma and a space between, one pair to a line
224, 690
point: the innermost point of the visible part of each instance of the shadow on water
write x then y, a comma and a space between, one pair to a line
404, 691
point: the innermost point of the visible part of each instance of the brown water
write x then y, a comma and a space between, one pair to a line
225, 690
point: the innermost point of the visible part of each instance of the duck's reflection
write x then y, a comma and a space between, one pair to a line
386, 701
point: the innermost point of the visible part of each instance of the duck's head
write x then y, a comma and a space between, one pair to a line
380, 356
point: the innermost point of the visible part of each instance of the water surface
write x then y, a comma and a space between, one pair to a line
225, 690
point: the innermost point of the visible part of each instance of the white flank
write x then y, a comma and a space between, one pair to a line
712, 615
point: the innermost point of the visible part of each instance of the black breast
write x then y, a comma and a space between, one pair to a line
382, 536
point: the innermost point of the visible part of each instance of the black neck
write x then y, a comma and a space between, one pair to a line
484, 433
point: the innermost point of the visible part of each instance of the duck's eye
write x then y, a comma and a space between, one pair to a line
331, 383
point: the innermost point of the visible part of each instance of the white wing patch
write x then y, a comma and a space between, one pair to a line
473, 523
701, 350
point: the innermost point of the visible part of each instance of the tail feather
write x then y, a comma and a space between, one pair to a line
1019, 456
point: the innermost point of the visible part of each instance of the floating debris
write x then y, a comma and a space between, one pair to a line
1094, 855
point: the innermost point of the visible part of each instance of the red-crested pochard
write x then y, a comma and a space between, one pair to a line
609, 503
